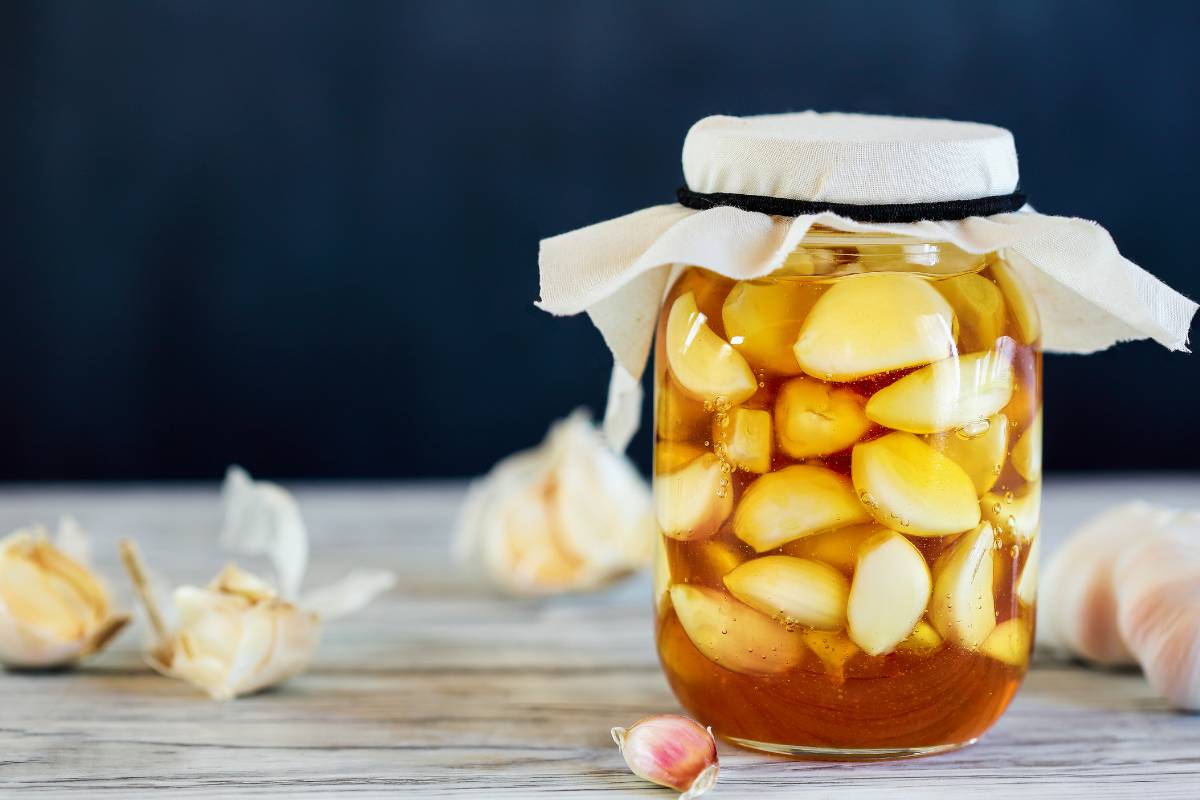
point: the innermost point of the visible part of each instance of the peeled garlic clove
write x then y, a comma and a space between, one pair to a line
53, 610
745, 435
813, 418
567, 515
1027, 452
673, 456
890, 591
922, 641
833, 649
794, 502
795, 591
705, 366
873, 323
947, 394
979, 306
710, 290
838, 548
962, 608
662, 575
1008, 643
733, 635
693, 502
980, 449
1017, 515
912, 488
1078, 603
1021, 304
671, 750
1027, 584
1158, 601
678, 417
762, 320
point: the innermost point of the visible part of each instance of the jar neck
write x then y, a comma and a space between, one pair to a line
829, 253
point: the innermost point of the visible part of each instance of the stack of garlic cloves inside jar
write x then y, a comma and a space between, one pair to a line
847, 483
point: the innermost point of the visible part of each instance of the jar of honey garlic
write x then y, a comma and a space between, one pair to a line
847, 315
847, 470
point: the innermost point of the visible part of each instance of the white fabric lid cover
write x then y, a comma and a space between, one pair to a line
849, 158
1089, 296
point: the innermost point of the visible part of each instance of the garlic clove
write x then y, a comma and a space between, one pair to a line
718, 558
980, 449
710, 290
662, 575
833, 649
672, 751
873, 323
1018, 515
1008, 643
947, 394
692, 502
673, 456
923, 640
962, 608
890, 591
910, 487
704, 365
567, 515
1021, 304
1027, 452
745, 436
813, 418
1157, 582
979, 307
838, 548
795, 591
678, 417
733, 635
794, 502
1027, 584
762, 320
53, 610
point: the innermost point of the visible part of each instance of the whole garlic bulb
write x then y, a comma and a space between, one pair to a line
53, 610
236, 637
567, 515
1158, 602
1077, 609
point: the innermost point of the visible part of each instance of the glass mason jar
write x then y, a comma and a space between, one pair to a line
847, 477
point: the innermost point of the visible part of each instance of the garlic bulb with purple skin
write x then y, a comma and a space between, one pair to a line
671, 750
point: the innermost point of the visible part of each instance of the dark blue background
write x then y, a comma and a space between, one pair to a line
303, 235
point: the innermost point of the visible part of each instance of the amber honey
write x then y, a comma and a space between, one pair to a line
847, 480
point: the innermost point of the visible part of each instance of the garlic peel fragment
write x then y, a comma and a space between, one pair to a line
262, 518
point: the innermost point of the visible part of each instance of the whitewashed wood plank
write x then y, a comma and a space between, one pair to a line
444, 690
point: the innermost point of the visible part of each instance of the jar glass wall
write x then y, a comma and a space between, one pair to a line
847, 479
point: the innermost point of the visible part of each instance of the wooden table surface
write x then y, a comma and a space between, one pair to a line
441, 689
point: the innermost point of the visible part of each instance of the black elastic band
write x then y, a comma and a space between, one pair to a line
887, 212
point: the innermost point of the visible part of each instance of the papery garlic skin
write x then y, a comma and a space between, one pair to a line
671, 750
1158, 607
53, 610
568, 515
236, 637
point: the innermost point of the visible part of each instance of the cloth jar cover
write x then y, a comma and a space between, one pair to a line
1089, 296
